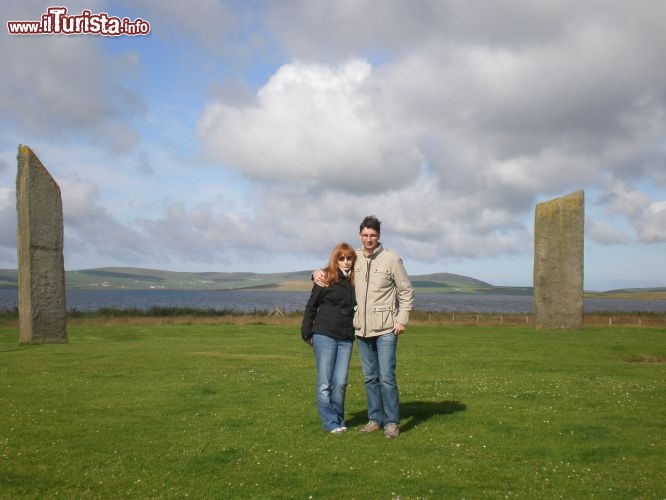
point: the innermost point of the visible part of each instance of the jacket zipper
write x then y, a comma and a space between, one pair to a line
365, 308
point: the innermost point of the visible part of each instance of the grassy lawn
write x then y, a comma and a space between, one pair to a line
205, 410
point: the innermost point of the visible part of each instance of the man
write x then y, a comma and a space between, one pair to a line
384, 298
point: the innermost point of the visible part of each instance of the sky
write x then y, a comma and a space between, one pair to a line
255, 135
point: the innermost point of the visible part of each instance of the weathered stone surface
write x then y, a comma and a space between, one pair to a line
41, 269
558, 262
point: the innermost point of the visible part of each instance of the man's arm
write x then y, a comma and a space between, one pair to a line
318, 278
405, 293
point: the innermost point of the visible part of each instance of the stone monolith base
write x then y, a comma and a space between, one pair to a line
41, 269
558, 262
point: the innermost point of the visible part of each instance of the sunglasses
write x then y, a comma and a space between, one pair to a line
344, 257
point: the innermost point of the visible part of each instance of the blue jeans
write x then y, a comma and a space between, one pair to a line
332, 357
378, 361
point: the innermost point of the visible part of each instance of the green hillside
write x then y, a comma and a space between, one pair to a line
139, 278
136, 278
8, 278
456, 283
142, 279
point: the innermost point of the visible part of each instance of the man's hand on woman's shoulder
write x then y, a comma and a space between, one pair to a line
318, 277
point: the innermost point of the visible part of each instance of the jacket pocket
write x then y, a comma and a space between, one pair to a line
381, 317
381, 277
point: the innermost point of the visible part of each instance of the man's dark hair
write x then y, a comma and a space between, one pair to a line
371, 222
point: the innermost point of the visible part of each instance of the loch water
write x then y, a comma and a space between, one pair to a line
258, 301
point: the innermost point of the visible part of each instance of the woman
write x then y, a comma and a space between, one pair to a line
328, 328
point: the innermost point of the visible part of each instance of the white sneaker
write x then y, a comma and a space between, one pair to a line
339, 430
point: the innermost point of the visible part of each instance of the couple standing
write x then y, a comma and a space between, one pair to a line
363, 294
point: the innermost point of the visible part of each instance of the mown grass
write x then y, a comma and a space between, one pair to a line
189, 315
224, 410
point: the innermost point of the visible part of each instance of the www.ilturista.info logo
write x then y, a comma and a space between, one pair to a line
56, 22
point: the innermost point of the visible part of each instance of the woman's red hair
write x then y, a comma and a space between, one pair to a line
331, 273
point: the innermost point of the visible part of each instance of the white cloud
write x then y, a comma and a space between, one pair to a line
212, 22
603, 233
646, 217
8, 218
652, 224
313, 122
92, 231
334, 30
67, 87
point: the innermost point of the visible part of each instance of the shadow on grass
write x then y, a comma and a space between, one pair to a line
413, 413
22, 347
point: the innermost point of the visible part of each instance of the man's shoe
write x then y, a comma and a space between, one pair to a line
391, 431
339, 430
371, 426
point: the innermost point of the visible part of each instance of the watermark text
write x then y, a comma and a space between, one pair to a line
56, 22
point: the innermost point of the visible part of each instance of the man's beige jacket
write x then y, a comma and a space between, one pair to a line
384, 293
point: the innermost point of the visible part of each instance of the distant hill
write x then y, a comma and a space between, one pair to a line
8, 278
139, 278
637, 290
454, 283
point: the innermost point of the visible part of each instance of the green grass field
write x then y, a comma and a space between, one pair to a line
227, 411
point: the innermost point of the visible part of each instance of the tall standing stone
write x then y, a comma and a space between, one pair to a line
558, 262
41, 269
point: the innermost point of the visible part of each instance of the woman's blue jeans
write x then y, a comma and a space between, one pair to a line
332, 357
378, 361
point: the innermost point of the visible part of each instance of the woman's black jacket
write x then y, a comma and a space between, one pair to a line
330, 311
